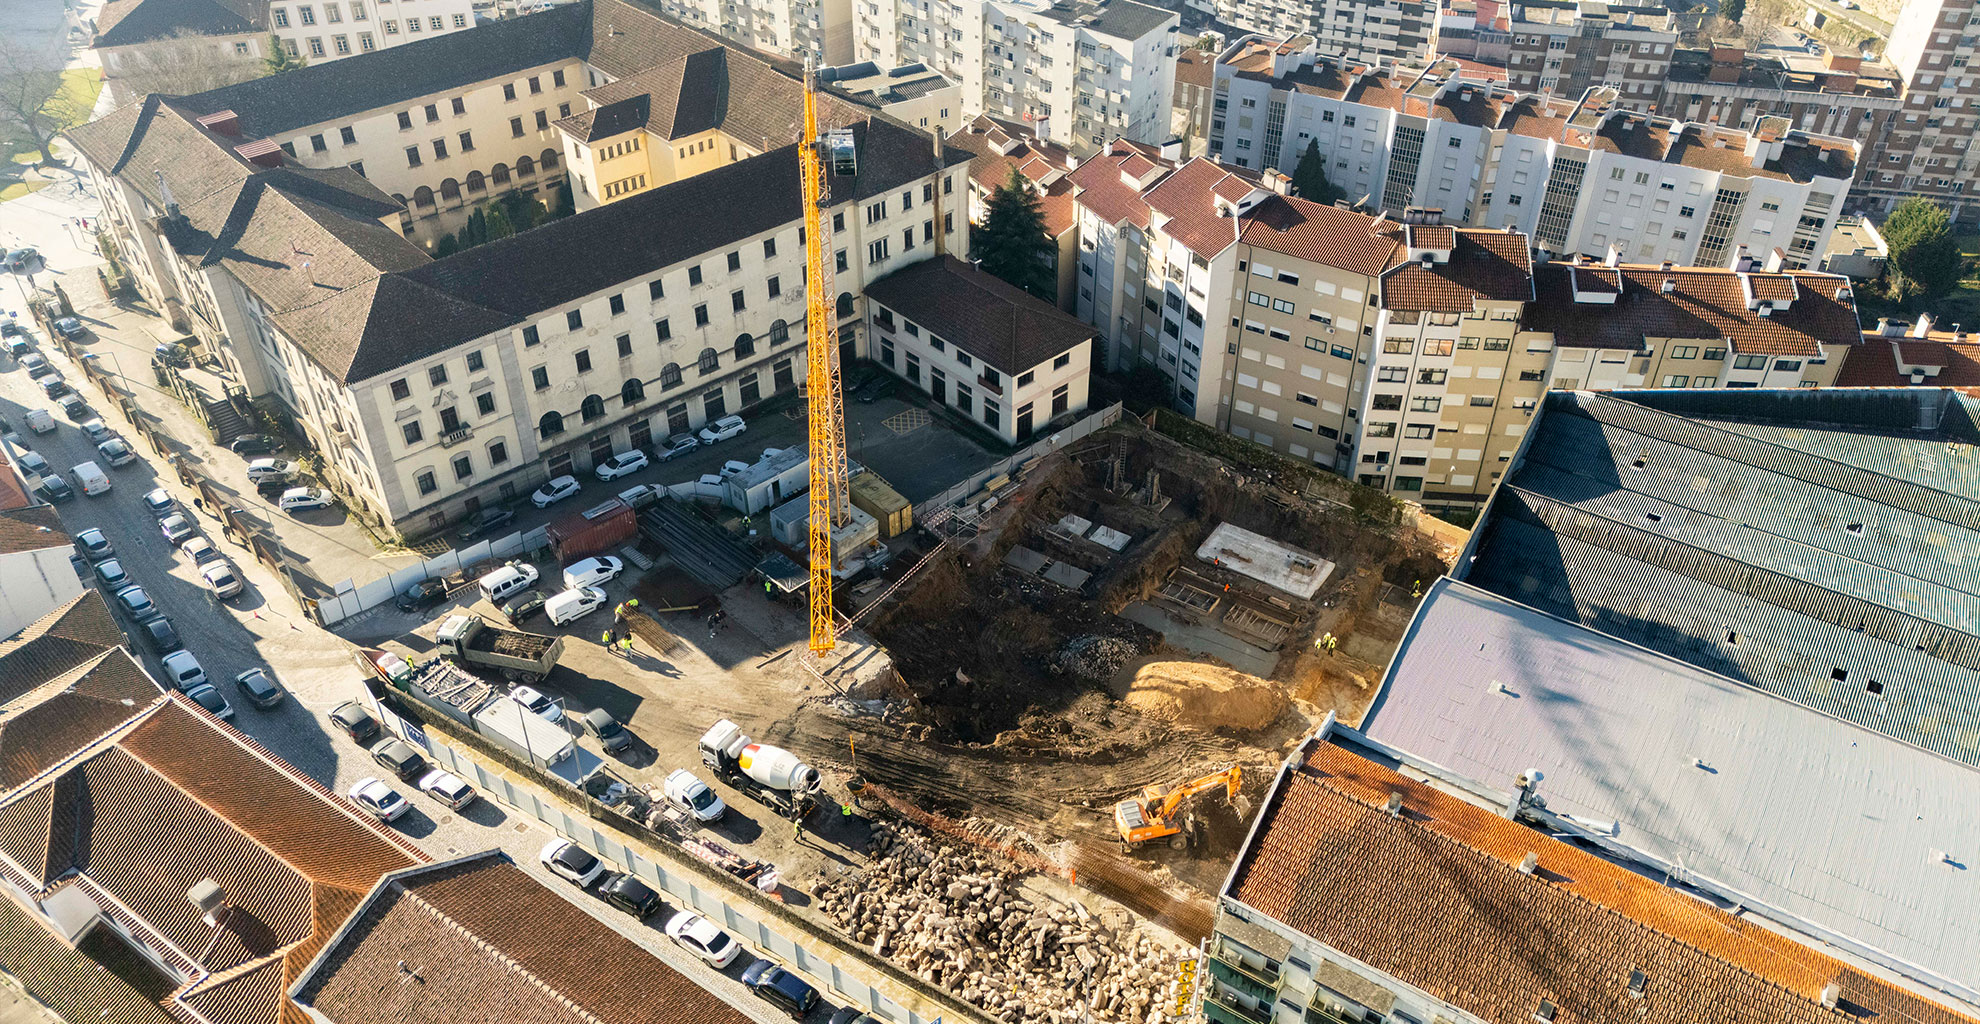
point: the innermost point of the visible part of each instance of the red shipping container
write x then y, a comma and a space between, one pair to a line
593, 531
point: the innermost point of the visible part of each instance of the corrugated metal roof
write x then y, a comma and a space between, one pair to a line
1812, 816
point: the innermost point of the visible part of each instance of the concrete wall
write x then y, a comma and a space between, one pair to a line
36, 582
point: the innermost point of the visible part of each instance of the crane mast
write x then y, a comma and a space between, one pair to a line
825, 411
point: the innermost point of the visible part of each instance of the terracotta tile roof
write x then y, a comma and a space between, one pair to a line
1430, 236
1035, 158
1196, 67
128, 22
33, 528
13, 492
1772, 287
59, 641
1378, 89
1536, 117
1097, 185
1188, 197
1705, 303
490, 943
1878, 363
980, 314
1490, 265
1321, 234
1569, 933
69, 711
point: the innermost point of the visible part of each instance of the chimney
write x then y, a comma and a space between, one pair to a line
165, 194
223, 122
1923, 328
1670, 285
1529, 863
1614, 257
1394, 806
1775, 260
261, 153
1742, 261
1831, 995
1883, 327
1277, 181
1172, 150
210, 898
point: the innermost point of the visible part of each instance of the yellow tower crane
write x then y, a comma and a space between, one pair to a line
825, 405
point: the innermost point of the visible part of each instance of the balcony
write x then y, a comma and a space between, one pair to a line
454, 437
1254, 982
991, 386
1225, 1008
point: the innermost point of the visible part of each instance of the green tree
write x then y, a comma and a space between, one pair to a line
1011, 243
1733, 10
1925, 260
497, 222
1309, 180
279, 58
446, 246
566, 202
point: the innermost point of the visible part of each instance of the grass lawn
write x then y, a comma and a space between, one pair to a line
77, 93
17, 189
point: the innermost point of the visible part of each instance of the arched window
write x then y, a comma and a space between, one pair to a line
670, 376
423, 196
450, 189
475, 182
780, 332
745, 345
548, 160
500, 175
400, 198
710, 362
525, 167
593, 408
550, 425
845, 305
633, 392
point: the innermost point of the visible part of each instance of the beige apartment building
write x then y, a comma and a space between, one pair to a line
1564, 47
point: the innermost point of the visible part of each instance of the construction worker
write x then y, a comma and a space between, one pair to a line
625, 645
767, 591
605, 639
1416, 590
634, 603
797, 829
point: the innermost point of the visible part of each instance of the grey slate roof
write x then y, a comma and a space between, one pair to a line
1807, 816
1004, 326
1819, 548
125, 22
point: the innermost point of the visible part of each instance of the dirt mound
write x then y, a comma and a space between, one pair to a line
1209, 697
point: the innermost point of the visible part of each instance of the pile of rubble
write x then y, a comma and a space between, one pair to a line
956, 919
1093, 657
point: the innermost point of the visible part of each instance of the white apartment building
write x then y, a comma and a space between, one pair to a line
142, 42
432, 386
913, 94
819, 29
1080, 73
1393, 30
1575, 176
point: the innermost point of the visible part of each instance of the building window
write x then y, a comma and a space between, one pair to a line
467, 142
539, 378
516, 127
1064, 360
550, 425
484, 403
745, 346
436, 375
573, 319
463, 467
736, 301
401, 390
498, 453
701, 315
670, 376
412, 156
662, 330
583, 360
425, 482
625, 346
709, 363
412, 431
694, 277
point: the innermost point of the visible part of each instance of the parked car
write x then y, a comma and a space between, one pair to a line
621, 464
160, 503
538, 703
699, 935
572, 605
447, 788
75, 408
511, 579
270, 469
424, 594
484, 522
96, 431
222, 579
381, 800
678, 445
55, 489
69, 327
525, 607
201, 551
137, 604
182, 670
556, 490
303, 499
734, 467
209, 698
159, 635
254, 444
32, 462
116, 452
852, 1015
94, 545
355, 721
723, 429
599, 723
691, 795
780, 988
36, 365
630, 895
90, 478
260, 687
592, 572
80, 565
55, 387
571, 862
21, 261
112, 573
875, 389
399, 758
177, 529
273, 488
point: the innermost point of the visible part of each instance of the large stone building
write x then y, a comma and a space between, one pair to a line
1081, 73
187, 45
433, 386
1576, 176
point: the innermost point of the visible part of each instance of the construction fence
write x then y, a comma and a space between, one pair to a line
349, 598
1010, 465
793, 943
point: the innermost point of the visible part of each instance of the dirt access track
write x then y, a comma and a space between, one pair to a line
1037, 706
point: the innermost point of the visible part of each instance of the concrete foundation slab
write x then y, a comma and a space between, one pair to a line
1255, 556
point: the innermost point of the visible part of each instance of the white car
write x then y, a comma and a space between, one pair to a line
159, 502
381, 800
96, 431
553, 492
734, 467
699, 934
182, 670
723, 429
693, 796
302, 499
571, 862
177, 529
621, 464
270, 469
201, 551
592, 572
538, 703
678, 445
446, 788
222, 578
116, 452
569, 606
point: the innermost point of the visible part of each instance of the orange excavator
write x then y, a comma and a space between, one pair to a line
1154, 813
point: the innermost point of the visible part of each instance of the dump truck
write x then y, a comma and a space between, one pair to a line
519, 656
770, 775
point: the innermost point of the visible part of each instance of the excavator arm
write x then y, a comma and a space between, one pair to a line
1230, 778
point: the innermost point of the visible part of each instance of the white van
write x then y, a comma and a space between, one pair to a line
572, 605
509, 580
90, 479
39, 421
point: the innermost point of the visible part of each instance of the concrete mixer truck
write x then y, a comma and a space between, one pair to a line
771, 775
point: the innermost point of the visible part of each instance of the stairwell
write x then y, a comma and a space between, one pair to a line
226, 419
